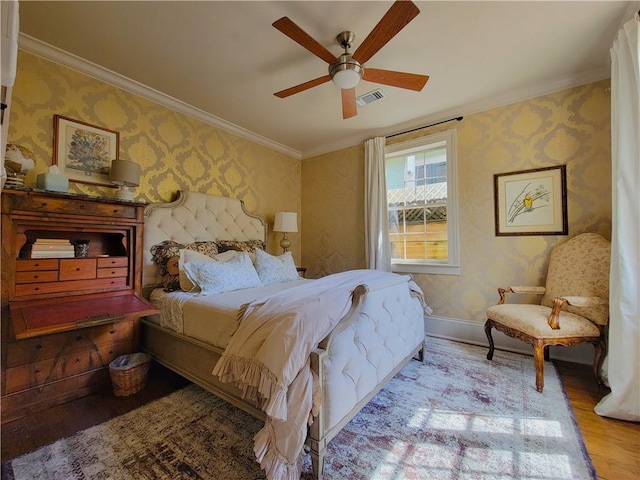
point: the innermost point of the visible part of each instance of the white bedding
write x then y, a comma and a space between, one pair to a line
269, 359
210, 318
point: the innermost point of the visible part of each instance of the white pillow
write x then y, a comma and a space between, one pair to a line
273, 269
188, 255
219, 277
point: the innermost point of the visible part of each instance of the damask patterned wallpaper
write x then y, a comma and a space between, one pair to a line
333, 212
175, 152
570, 127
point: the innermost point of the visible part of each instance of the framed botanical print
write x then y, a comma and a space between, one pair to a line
83, 152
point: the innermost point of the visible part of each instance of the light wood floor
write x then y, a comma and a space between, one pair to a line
613, 445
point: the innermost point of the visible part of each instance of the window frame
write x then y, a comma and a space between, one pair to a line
452, 265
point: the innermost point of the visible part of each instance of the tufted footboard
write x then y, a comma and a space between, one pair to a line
383, 330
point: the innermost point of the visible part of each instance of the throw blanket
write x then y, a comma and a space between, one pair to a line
268, 357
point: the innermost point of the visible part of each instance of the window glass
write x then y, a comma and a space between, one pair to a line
421, 203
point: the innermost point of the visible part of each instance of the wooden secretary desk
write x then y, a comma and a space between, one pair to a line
65, 319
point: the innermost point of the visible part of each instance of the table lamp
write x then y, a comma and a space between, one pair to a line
125, 174
286, 222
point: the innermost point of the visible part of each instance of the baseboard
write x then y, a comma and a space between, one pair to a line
473, 332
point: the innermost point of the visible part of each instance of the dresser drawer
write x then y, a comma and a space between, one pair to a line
107, 262
70, 286
112, 272
63, 365
51, 206
37, 349
41, 264
78, 269
37, 276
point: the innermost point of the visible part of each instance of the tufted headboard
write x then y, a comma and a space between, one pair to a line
196, 217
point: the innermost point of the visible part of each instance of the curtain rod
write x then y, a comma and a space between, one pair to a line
425, 126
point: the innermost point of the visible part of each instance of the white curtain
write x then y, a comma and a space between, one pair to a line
623, 360
10, 26
376, 222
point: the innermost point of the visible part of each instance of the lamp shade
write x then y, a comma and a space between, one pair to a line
286, 222
125, 172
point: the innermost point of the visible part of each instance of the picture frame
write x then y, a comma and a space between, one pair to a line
83, 152
531, 202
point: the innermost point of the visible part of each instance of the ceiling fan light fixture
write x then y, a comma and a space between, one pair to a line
347, 73
346, 78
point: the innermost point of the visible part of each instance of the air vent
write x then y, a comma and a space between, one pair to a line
370, 97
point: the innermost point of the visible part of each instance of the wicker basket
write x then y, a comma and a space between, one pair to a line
129, 373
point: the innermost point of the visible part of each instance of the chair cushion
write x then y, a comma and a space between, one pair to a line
532, 320
580, 267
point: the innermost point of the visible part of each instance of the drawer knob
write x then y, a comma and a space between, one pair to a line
112, 331
35, 276
39, 346
43, 204
77, 269
77, 360
37, 370
81, 206
37, 264
37, 288
78, 338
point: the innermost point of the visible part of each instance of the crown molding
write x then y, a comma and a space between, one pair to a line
537, 90
64, 58
69, 60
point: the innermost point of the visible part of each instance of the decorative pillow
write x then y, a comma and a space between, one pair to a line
273, 269
188, 255
240, 245
219, 277
166, 256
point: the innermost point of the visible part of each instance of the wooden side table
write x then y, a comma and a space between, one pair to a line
302, 271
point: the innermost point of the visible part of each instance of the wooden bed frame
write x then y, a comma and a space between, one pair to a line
201, 217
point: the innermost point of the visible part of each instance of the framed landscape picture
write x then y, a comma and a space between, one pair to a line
531, 202
83, 152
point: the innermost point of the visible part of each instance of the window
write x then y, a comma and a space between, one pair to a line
422, 206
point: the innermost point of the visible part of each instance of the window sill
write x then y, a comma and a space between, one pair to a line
428, 268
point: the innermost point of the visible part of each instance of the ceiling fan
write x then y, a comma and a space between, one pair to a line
347, 70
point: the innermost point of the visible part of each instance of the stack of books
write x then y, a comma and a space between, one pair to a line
52, 248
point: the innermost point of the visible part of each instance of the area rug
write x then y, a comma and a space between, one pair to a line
457, 416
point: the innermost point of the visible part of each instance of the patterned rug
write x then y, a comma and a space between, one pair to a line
457, 416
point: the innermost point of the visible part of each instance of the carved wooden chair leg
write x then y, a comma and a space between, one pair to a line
487, 331
538, 357
598, 359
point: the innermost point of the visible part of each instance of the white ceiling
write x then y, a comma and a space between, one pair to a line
226, 60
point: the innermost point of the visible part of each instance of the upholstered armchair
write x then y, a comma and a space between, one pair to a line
574, 307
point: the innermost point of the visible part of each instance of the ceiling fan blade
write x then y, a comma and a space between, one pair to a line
410, 81
349, 107
295, 33
303, 86
396, 18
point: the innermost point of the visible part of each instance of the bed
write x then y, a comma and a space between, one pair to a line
380, 330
